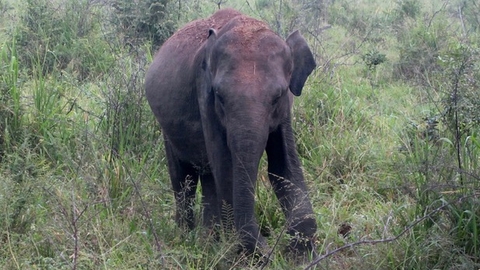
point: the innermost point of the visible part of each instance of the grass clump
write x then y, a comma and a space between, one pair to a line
61, 35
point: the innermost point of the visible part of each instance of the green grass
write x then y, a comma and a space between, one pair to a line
83, 176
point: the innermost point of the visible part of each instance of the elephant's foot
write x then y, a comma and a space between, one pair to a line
257, 258
302, 243
301, 247
300, 250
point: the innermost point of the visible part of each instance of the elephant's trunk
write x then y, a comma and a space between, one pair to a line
247, 142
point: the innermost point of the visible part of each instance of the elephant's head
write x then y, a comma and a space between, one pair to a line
247, 78
252, 73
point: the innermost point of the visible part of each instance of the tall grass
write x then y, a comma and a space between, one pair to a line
10, 112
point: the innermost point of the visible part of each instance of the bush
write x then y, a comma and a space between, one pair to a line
419, 49
442, 158
143, 21
469, 15
407, 9
127, 120
60, 35
459, 84
356, 21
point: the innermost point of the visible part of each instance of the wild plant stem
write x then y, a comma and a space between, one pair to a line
318, 259
10, 249
146, 212
458, 135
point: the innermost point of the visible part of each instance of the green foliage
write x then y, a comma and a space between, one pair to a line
281, 16
10, 109
470, 18
271, 218
142, 21
373, 58
419, 48
356, 21
284, 17
451, 236
459, 83
443, 156
461, 103
58, 35
127, 120
464, 216
407, 9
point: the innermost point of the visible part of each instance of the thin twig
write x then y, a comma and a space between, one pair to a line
437, 12
158, 244
318, 259
460, 14
277, 241
9, 240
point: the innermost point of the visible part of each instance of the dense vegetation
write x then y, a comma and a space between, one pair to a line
387, 130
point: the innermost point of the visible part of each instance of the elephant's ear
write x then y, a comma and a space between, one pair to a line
212, 38
207, 76
303, 62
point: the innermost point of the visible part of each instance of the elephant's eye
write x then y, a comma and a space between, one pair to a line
277, 97
218, 96
275, 100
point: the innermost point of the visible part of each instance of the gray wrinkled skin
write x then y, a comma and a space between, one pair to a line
222, 89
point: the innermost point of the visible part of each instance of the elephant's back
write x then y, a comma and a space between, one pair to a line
185, 42
170, 86
174, 63
170, 79
196, 33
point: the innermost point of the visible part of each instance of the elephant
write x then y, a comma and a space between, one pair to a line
222, 90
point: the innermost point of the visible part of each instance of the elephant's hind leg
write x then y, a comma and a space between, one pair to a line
184, 179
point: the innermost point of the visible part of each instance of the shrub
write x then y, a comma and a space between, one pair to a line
419, 49
469, 15
142, 21
60, 35
442, 157
127, 120
459, 84
407, 9
373, 58
356, 21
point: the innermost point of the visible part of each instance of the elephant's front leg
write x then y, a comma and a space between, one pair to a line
211, 210
286, 176
243, 206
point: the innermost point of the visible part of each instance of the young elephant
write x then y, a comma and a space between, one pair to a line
221, 89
